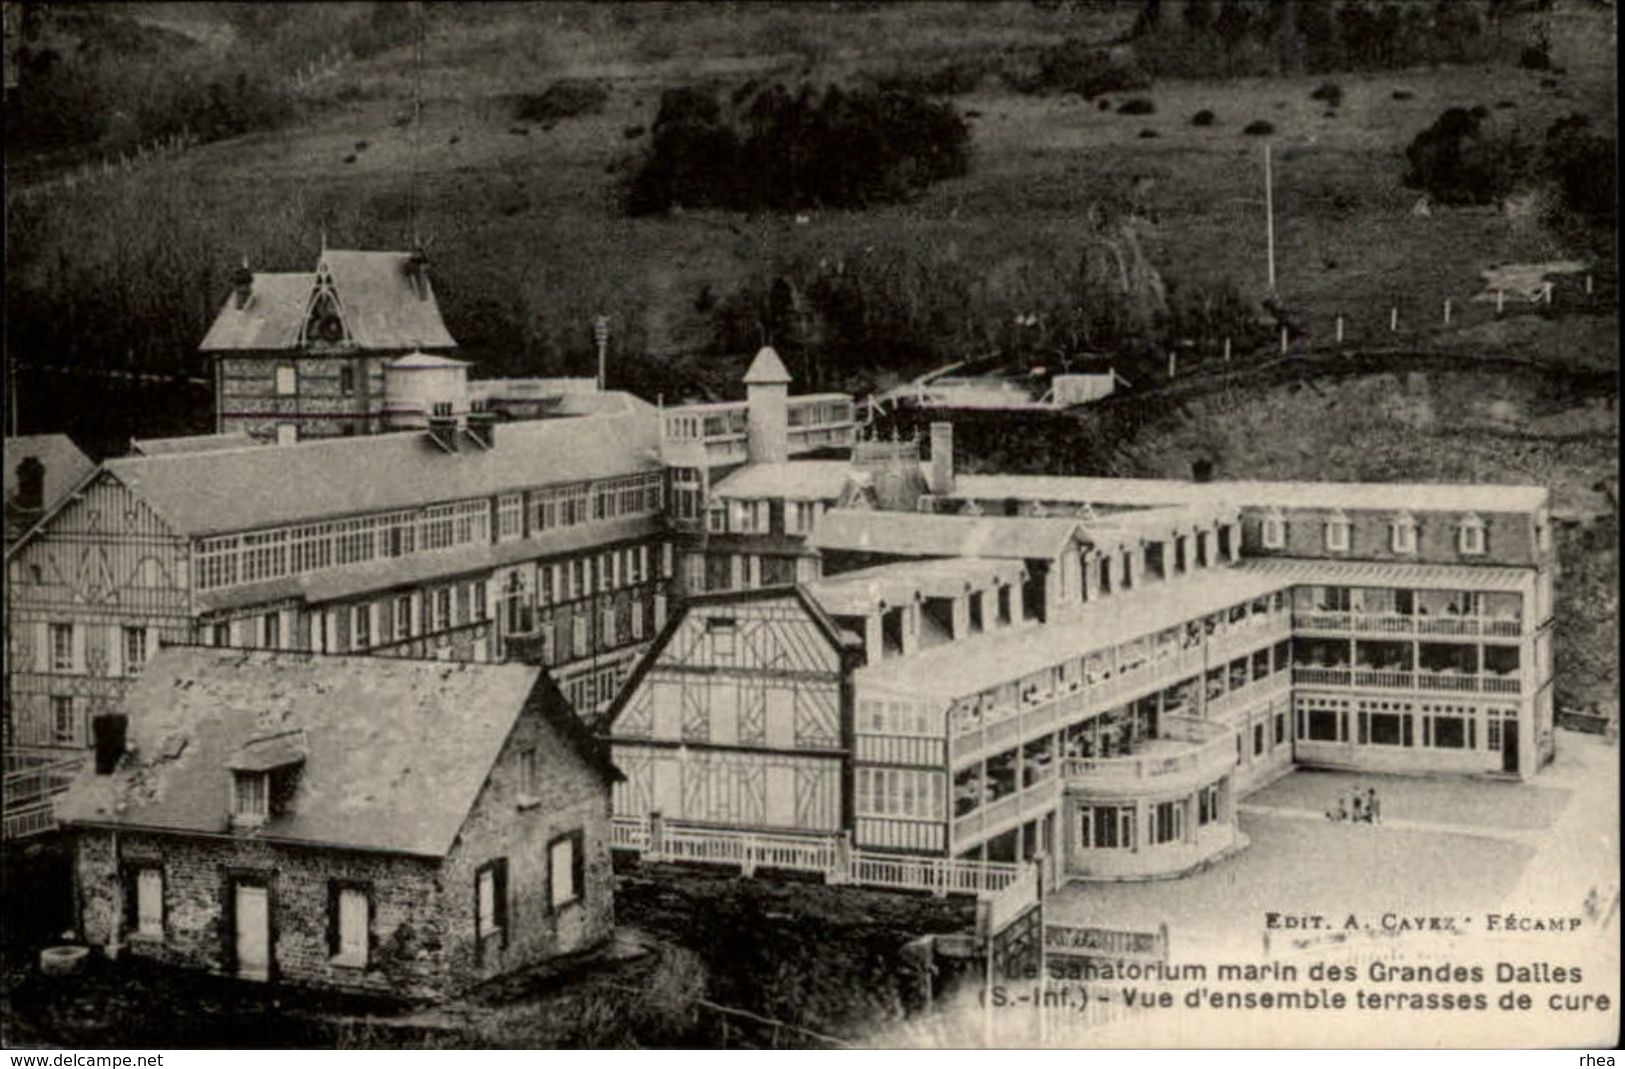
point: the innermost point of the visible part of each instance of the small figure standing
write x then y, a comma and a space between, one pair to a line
1359, 807
1373, 808
1341, 813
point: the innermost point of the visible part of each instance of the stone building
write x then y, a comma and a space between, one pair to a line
405, 827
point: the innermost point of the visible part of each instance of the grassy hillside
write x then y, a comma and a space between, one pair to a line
525, 224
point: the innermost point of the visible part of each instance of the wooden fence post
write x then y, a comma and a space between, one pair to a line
1340, 330
1227, 350
1588, 284
1283, 341
1500, 301
1172, 367
1393, 319
1447, 311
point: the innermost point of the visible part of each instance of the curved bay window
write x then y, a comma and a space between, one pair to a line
1107, 827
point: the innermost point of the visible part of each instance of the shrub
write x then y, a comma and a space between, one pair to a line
1403, 94
1076, 66
1535, 58
563, 99
632, 133
1330, 92
782, 150
1584, 166
1148, 132
1137, 106
1457, 161
1258, 128
1203, 118
1105, 104
955, 77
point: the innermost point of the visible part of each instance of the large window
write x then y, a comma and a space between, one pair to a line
135, 650
1322, 725
491, 899
1450, 732
64, 719
148, 922
1387, 729
1108, 827
899, 792
1167, 819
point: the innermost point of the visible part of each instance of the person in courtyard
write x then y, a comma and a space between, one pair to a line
1340, 813
1359, 806
1373, 808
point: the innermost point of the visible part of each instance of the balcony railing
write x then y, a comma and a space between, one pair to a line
1397, 624
1405, 680
995, 817
1212, 749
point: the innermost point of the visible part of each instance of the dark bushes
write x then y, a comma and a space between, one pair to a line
781, 150
1456, 161
563, 99
1137, 106
1330, 92
1076, 66
1203, 118
955, 77
1259, 128
1585, 168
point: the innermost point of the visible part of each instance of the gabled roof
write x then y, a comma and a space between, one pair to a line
392, 753
381, 307
192, 443
66, 466
767, 369
1433, 497
917, 534
271, 319
796, 480
240, 489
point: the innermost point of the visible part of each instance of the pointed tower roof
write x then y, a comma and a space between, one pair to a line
767, 369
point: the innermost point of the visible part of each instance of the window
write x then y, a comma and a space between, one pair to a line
564, 865
222, 634
1207, 805
1107, 827
251, 797
349, 920
149, 903
361, 628
1280, 728
403, 616
135, 650
491, 899
1258, 738
442, 608
1273, 532
347, 380
1386, 729
510, 516
271, 631
1449, 732
1337, 533
579, 627
721, 629
1165, 822
1472, 535
287, 381
530, 773
64, 724
287, 433
62, 659
1322, 725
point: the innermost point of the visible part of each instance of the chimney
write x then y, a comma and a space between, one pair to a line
942, 458
417, 268
1202, 470
242, 286
30, 484
108, 730
767, 394
482, 428
443, 432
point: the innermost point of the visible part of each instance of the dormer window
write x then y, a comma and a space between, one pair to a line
1338, 530
1402, 533
1273, 531
1472, 536
251, 797
264, 773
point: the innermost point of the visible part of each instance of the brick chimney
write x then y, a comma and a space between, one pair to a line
242, 286
30, 485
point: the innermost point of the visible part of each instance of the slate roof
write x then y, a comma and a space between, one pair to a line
915, 534
1451, 497
241, 489
796, 480
865, 590
271, 318
1391, 573
66, 466
379, 303
192, 443
392, 753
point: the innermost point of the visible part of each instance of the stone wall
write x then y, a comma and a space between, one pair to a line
407, 936
571, 796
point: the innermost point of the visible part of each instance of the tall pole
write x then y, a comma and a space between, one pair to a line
1269, 214
600, 330
417, 131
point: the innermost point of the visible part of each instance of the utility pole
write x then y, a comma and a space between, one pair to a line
1269, 214
600, 331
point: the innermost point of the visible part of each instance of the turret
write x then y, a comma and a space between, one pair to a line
767, 393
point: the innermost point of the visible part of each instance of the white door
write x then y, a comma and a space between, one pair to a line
253, 932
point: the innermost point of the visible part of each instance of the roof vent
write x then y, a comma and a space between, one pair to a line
443, 432
482, 429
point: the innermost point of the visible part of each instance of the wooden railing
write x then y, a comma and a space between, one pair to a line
830, 856
1406, 680
1403, 624
1213, 747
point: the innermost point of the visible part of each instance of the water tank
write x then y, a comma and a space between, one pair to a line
420, 385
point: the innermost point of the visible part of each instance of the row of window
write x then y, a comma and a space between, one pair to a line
129, 649
1338, 534
1402, 724
899, 792
756, 516
1112, 827
571, 506
287, 380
